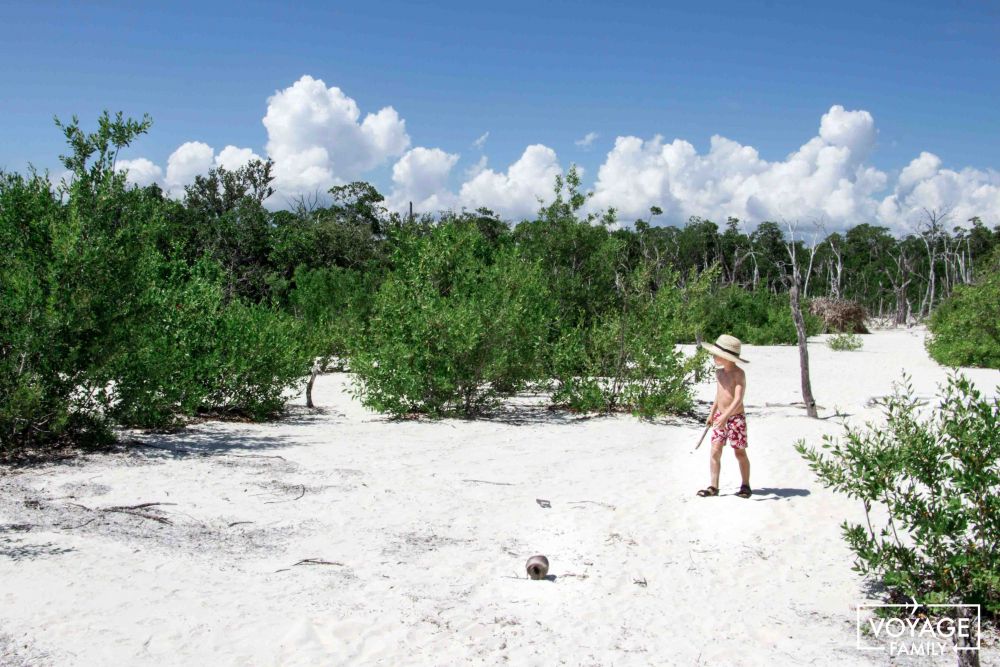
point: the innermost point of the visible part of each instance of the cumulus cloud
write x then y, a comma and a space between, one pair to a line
232, 158
421, 177
317, 138
924, 185
826, 178
141, 172
587, 141
514, 193
192, 158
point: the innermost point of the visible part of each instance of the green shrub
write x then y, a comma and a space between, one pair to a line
627, 359
333, 303
937, 480
845, 342
965, 329
73, 268
756, 318
456, 325
258, 355
199, 354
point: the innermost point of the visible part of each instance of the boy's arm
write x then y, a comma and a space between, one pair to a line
711, 412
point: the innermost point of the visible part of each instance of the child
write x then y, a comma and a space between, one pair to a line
727, 413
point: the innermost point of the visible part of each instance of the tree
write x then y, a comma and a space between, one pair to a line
793, 278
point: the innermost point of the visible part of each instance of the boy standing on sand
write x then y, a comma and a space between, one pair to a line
727, 415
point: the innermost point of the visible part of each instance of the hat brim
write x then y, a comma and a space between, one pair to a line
718, 351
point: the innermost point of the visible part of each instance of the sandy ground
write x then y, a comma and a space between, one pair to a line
337, 536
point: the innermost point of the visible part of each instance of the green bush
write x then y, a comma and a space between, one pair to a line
333, 303
937, 480
847, 342
965, 329
74, 266
200, 354
456, 325
627, 359
756, 318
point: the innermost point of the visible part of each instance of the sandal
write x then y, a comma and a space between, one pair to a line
710, 491
744, 491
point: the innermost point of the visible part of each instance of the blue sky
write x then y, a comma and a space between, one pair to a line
761, 74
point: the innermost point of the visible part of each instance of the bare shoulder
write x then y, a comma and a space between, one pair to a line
740, 376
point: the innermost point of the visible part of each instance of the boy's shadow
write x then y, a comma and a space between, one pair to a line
778, 494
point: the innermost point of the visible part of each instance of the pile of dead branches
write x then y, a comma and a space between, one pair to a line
840, 315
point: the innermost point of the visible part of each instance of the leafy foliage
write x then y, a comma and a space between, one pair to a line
937, 479
201, 353
965, 329
71, 275
627, 359
456, 325
756, 318
99, 325
845, 342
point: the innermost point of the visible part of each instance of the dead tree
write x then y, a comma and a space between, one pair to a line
813, 246
835, 269
793, 276
900, 281
930, 234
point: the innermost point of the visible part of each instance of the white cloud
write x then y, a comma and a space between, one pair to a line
588, 140
141, 172
479, 167
316, 139
514, 193
924, 185
191, 159
421, 177
232, 158
824, 179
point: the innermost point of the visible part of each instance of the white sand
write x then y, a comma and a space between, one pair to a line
430, 523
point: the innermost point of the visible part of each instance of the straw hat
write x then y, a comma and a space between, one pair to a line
727, 347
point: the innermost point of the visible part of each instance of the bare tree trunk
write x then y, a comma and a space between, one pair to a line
967, 654
793, 276
800, 330
317, 367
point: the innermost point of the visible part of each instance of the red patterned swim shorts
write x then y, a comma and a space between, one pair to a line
734, 430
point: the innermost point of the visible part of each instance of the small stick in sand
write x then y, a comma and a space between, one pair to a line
592, 502
484, 481
317, 561
302, 493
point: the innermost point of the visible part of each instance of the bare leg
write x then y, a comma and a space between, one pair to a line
715, 463
744, 461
